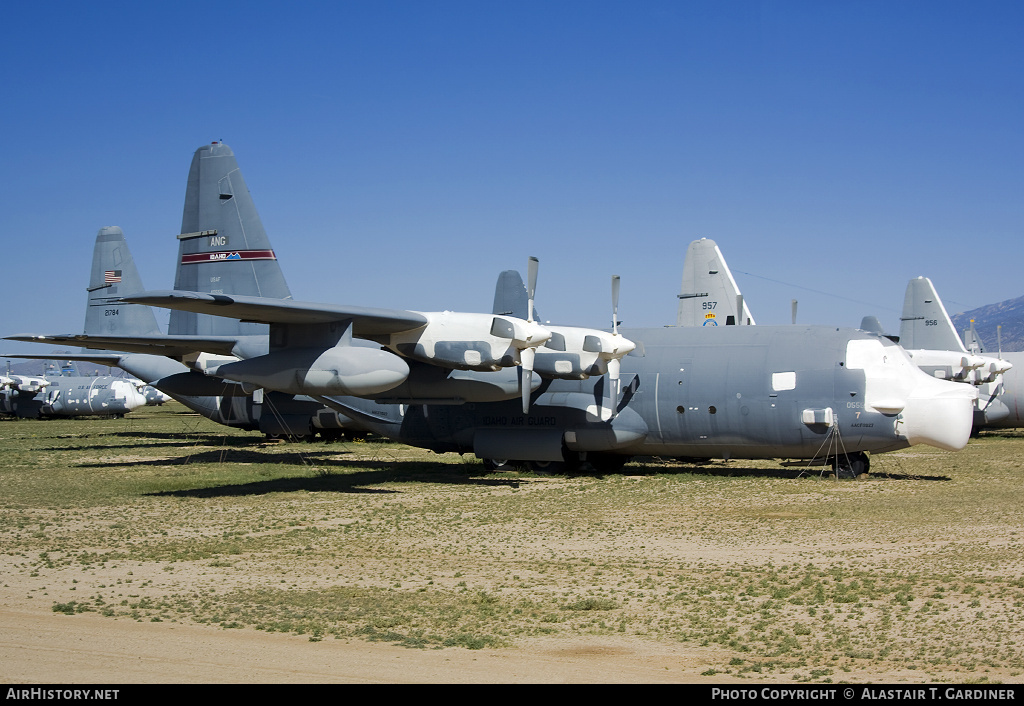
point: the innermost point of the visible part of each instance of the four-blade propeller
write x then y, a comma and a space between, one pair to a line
528, 354
604, 350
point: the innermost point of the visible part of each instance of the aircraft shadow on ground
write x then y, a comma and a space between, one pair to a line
227, 454
332, 472
792, 472
323, 480
165, 440
795, 473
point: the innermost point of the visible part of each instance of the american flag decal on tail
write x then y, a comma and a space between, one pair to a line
111, 276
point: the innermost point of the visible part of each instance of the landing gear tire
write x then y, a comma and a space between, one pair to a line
499, 464
546, 468
851, 465
290, 437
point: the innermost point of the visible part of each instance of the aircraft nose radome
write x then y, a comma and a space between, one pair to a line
940, 415
137, 398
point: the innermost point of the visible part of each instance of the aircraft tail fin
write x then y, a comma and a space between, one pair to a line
510, 297
223, 248
113, 276
972, 341
709, 296
925, 325
872, 324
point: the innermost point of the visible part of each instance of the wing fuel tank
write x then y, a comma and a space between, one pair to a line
343, 370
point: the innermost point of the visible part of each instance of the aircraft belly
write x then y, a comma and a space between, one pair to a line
568, 419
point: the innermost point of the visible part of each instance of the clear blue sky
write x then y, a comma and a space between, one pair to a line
401, 154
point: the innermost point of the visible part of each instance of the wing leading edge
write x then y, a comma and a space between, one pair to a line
367, 322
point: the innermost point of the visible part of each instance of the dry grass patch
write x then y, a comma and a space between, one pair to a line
767, 568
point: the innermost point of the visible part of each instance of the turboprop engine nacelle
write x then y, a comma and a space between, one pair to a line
465, 341
26, 383
972, 368
577, 353
342, 370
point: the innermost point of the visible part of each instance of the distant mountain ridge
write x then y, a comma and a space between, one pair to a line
1009, 314
39, 368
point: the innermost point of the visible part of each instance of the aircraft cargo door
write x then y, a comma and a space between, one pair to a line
677, 422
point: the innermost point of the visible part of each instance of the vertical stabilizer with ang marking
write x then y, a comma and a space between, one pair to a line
709, 295
925, 325
113, 276
223, 247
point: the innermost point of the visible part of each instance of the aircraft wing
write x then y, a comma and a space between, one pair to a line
171, 346
108, 359
366, 322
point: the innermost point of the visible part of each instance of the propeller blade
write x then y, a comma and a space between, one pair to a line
613, 386
794, 312
615, 305
614, 352
527, 357
531, 286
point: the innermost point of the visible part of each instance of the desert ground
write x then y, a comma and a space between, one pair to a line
162, 548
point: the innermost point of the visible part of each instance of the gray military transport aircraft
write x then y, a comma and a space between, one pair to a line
108, 322
928, 334
218, 212
507, 388
466, 382
68, 395
223, 248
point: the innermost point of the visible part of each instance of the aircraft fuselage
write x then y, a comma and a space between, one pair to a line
729, 392
74, 396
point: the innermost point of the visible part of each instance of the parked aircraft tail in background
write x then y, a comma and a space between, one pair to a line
709, 295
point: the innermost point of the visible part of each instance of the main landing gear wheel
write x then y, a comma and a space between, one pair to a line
550, 468
851, 465
546, 468
499, 464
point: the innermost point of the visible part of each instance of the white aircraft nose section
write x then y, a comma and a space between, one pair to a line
936, 412
939, 415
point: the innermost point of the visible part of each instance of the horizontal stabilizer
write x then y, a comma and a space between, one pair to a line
172, 346
109, 359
